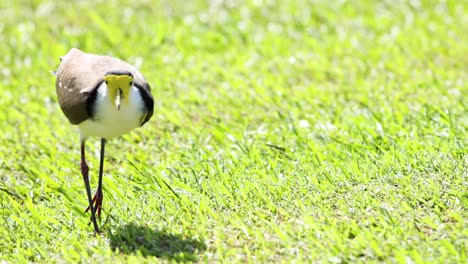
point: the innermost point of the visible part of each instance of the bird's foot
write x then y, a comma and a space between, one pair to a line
97, 204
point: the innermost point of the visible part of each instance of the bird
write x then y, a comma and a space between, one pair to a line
104, 97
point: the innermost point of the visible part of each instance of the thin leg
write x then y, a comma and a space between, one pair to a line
84, 172
99, 189
97, 199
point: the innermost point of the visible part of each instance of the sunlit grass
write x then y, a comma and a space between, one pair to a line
284, 131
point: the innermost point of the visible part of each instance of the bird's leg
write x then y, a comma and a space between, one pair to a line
84, 172
98, 196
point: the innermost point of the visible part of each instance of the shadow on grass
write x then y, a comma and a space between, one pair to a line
131, 238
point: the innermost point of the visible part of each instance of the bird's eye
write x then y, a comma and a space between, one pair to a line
61, 59
131, 83
106, 82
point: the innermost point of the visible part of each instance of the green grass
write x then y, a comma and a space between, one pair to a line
306, 131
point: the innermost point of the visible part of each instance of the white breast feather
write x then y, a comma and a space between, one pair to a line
108, 122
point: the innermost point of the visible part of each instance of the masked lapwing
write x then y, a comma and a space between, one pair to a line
105, 97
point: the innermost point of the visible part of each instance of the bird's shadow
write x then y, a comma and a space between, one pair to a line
132, 238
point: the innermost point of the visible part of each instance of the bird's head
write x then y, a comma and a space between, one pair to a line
118, 86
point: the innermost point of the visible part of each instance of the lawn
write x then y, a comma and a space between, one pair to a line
284, 131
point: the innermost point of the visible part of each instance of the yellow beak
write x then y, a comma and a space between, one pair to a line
118, 87
117, 98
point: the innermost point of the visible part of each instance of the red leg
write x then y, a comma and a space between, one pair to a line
84, 172
97, 203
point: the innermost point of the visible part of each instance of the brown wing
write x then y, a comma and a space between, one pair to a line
79, 74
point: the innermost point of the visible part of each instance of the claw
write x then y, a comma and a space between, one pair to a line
97, 204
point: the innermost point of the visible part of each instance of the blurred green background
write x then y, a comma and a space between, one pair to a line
284, 131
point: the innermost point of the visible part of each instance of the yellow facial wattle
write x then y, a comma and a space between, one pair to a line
118, 87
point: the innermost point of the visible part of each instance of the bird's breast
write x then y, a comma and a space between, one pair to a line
107, 121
